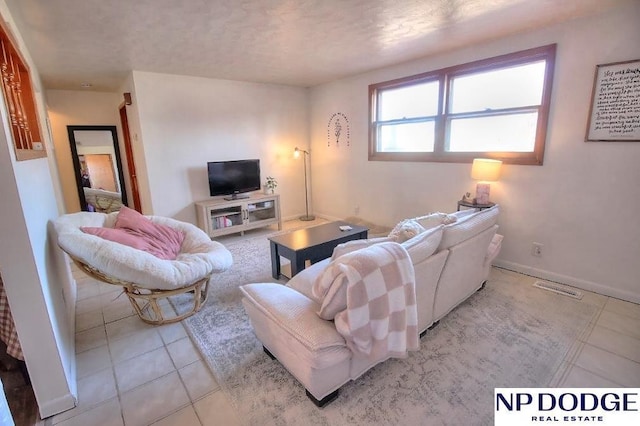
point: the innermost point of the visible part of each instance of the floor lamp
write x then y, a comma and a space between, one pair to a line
296, 154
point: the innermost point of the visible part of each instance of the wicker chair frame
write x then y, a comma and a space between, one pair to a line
145, 301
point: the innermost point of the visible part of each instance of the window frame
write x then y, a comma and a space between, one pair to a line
442, 120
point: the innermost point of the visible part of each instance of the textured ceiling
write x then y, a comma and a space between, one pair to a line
296, 42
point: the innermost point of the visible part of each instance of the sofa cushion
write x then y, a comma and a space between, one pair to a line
468, 226
349, 246
463, 213
405, 230
303, 281
423, 245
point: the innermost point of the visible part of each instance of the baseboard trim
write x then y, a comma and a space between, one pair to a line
57, 405
328, 217
568, 280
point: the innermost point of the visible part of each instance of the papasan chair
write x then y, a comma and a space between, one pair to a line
151, 257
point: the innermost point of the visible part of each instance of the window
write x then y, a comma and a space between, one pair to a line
494, 108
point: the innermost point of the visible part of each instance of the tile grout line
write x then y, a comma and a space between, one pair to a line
113, 372
177, 371
609, 352
109, 340
609, 379
575, 350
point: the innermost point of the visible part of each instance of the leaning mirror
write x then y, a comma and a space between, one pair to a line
98, 168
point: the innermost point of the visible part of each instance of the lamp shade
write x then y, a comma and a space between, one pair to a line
485, 169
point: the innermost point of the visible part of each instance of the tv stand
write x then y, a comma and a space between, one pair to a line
237, 197
225, 216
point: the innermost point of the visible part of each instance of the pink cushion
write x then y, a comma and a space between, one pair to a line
135, 230
121, 236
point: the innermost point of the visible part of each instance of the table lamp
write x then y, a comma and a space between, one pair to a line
484, 170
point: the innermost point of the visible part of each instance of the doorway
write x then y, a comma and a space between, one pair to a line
98, 172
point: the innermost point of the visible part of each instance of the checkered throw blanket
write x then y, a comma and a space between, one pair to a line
381, 319
8, 333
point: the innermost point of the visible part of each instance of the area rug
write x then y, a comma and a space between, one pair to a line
508, 335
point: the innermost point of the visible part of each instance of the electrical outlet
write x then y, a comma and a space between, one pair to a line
536, 249
357, 210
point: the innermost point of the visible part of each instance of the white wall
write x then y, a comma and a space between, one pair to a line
34, 279
187, 121
79, 108
581, 204
35, 283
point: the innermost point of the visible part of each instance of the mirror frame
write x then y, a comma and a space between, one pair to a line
76, 161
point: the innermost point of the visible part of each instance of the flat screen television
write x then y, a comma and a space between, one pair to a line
233, 178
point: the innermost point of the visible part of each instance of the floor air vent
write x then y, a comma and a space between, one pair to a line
559, 288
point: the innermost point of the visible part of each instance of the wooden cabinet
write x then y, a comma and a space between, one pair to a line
220, 217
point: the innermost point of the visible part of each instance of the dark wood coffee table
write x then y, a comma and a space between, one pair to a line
313, 244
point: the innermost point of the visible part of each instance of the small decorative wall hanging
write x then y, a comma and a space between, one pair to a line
615, 103
338, 129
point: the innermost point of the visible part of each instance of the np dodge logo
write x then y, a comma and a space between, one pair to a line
527, 406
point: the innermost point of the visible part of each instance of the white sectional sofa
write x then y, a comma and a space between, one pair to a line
450, 262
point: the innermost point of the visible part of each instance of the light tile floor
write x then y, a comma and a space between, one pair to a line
130, 373
607, 353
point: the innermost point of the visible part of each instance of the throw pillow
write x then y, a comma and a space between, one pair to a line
349, 246
406, 230
164, 240
435, 219
120, 236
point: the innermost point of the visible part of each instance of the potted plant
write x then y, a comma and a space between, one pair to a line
270, 185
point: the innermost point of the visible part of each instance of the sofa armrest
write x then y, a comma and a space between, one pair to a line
293, 313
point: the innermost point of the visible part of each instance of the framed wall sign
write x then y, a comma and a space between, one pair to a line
615, 103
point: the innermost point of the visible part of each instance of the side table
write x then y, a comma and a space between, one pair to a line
462, 203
